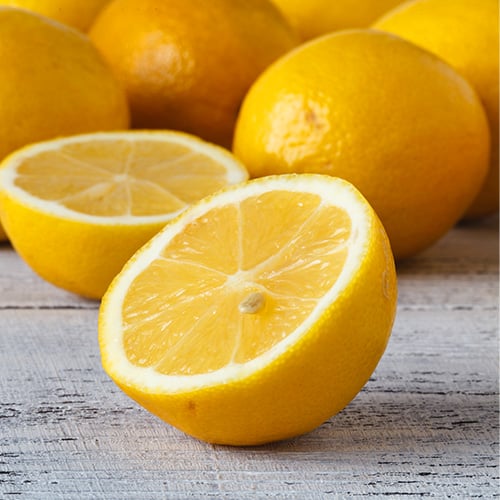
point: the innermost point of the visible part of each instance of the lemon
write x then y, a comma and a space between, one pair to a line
400, 124
313, 18
187, 64
53, 82
77, 208
77, 13
257, 314
464, 34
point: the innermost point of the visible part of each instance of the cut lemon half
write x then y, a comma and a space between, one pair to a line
257, 314
77, 208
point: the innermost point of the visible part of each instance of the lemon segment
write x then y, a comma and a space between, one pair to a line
255, 315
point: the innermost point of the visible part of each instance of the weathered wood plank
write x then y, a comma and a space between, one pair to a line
426, 425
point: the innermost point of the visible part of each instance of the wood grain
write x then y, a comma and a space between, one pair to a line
426, 424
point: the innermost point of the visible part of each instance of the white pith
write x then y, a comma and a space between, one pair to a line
332, 191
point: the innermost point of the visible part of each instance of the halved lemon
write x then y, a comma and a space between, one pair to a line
257, 314
77, 208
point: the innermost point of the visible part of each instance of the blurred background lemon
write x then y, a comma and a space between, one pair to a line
465, 34
187, 64
76, 13
312, 18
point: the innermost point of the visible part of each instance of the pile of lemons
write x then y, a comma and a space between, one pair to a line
397, 99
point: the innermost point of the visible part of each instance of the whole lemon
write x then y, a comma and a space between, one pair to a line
397, 122
53, 82
465, 34
187, 64
312, 18
76, 13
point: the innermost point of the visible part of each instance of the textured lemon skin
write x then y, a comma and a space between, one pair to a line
80, 257
313, 18
182, 72
76, 13
304, 386
401, 125
464, 34
54, 83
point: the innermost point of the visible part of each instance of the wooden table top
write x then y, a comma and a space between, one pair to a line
425, 425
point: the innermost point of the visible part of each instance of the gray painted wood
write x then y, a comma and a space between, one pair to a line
426, 424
